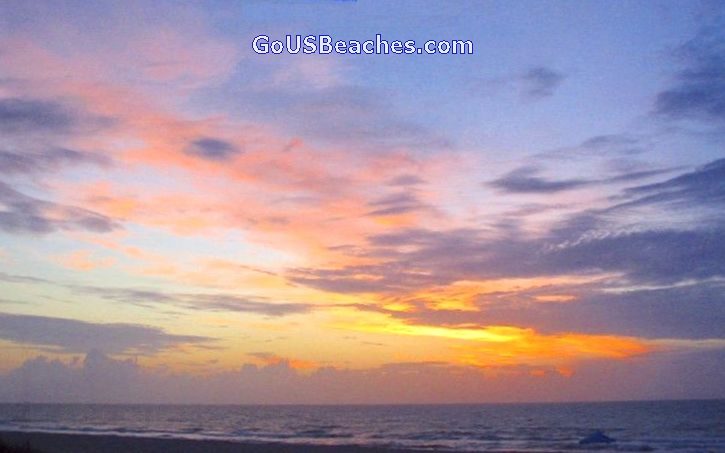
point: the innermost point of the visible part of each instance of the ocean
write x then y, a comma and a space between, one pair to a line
674, 426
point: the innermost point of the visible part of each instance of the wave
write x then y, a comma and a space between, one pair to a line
474, 428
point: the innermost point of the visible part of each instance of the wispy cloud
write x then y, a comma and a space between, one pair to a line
527, 180
398, 203
533, 84
702, 187
22, 213
206, 302
540, 82
14, 162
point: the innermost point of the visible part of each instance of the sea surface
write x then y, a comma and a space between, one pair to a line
692, 426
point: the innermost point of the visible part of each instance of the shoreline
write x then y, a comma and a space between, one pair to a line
90, 443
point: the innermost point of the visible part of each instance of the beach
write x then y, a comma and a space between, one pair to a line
84, 443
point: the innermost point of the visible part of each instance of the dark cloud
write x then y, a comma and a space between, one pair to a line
656, 257
212, 149
526, 180
24, 115
695, 311
19, 116
29, 162
540, 82
69, 335
699, 89
704, 186
650, 256
21, 213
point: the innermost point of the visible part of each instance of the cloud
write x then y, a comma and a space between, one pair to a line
212, 149
21, 213
616, 150
353, 279
347, 115
193, 301
609, 141
698, 91
636, 175
644, 283
416, 259
49, 160
525, 180
270, 358
704, 186
73, 336
653, 256
101, 379
84, 260
22, 116
299, 200
10, 278
399, 203
212, 302
406, 180
540, 82
159, 45
692, 310
535, 83
592, 242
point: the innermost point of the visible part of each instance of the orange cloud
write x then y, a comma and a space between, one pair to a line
267, 359
84, 260
466, 295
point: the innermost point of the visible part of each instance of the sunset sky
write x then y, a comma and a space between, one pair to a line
184, 220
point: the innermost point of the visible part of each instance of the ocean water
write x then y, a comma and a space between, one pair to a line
692, 426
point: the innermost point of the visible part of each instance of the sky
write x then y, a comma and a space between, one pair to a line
183, 220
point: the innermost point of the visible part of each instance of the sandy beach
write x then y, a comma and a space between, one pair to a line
79, 443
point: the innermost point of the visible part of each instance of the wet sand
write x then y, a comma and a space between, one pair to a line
81, 443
